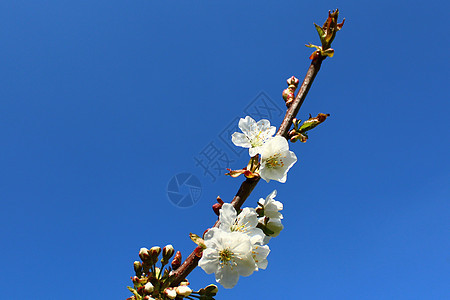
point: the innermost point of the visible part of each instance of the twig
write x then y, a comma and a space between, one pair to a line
249, 184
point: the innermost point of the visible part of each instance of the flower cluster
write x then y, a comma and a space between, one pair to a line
276, 159
238, 246
153, 283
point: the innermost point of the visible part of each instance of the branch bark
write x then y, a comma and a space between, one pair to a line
249, 184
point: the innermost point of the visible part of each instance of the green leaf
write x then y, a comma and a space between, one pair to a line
313, 122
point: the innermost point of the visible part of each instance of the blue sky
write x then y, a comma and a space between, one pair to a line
103, 102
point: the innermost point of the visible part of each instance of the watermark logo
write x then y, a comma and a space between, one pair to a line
184, 190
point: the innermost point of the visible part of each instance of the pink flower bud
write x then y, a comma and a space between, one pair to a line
176, 262
167, 253
144, 254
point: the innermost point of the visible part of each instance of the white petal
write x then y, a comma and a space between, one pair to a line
263, 124
247, 265
227, 276
253, 151
213, 237
260, 254
269, 173
275, 226
290, 159
227, 216
256, 236
246, 124
209, 261
279, 144
240, 140
266, 240
248, 217
241, 243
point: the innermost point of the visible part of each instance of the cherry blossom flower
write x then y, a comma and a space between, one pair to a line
271, 207
245, 222
254, 135
228, 255
276, 159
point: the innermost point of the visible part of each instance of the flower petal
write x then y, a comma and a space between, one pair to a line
240, 140
247, 124
227, 276
227, 216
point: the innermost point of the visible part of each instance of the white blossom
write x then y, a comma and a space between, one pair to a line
276, 159
273, 225
245, 222
271, 206
254, 134
260, 253
228, 255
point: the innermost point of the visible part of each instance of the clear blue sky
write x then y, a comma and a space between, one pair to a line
102, 102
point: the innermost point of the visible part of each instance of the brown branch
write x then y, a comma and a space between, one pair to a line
249, 184
292, 111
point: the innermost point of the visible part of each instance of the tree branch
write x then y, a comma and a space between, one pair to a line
292, 111
249, 184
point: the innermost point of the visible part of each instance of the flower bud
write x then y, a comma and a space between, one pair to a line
176, 262
184, 282
211, 289
167, 253
148, 287
170, 293
292, 132
183, 290
154, 252
287, 95
293, 81
144, 254
137, 268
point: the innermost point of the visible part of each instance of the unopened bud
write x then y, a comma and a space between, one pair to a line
184, 282
183, 290
176, 262
167, 253
287, 94
144, 254
211, 290
154, 252
292, 132
293, 81
137, 268
170, 293
148, 287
